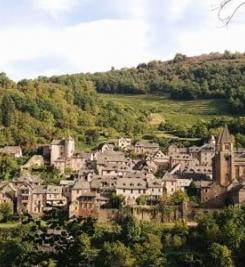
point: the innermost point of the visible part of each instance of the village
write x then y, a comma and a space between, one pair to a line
216, 170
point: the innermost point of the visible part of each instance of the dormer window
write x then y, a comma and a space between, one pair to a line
227, 146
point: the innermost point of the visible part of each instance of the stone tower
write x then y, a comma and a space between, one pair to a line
224, 157
212, 140
69, 147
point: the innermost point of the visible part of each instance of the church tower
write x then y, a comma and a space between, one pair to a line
223, 160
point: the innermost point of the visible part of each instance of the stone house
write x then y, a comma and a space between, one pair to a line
183, 184
36, 161
169, 184
184, 160
142, 148
125, 143
131, 189
80, 187
14, 151
160, 158
111, 163
24, 198
87, 205
175, 150
63, 156
108, 147
8, 193
35, 199
38, 200
54, 196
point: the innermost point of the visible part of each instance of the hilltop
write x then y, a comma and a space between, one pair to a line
185, 78
177, 94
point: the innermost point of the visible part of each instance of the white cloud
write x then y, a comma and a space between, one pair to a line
212, 36
55, 7
98, 45
177, 8
93, 46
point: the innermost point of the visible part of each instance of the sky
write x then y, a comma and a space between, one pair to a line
52, 37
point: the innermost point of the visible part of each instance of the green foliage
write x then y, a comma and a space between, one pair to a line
218, 240
115, 255
37, 111
116, 201
91, 137
178, 197
142, 200
131, 230
6, 212
8, 167
149, 253
220, 256
194, 193
209, 76
7, 111
50, 175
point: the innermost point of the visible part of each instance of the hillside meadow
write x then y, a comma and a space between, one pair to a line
186, 113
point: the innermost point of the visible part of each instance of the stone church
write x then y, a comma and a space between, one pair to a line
228, 186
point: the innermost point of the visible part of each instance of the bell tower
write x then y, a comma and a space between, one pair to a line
224, 157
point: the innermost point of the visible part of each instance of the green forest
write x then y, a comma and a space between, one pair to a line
217, 240
36, 111
202, 77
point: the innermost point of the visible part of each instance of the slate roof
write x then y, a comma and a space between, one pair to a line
130, 183
11, 150
147, 145
54, 189
81, 184
39, 189
224, 136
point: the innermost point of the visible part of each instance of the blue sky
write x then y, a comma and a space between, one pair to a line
47, 37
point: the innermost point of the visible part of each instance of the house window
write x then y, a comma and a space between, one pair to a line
132, 191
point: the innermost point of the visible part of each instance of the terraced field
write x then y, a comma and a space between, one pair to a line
184, 113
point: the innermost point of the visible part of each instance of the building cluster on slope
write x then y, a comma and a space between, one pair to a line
217, 169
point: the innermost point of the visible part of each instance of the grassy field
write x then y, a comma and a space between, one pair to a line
186, 113
8, 225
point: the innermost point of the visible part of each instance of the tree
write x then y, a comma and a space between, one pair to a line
142, 200
149, 253
228, 4
115, 255
92, 137
131, 230
193, 192
179, 58
178, 197
51, 175
6, 211
8, 110
8, 167
116, 201
220, 256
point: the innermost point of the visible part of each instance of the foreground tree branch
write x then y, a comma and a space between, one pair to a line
226, 4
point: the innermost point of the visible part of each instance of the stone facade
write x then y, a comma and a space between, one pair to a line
228, 172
